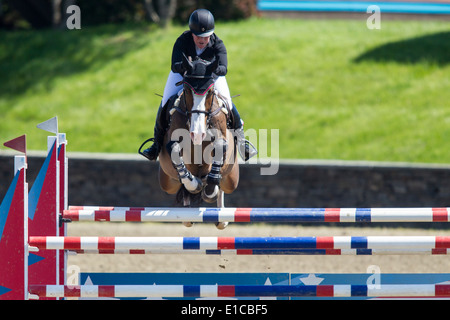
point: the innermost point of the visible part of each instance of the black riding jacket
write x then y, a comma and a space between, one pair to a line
185, 44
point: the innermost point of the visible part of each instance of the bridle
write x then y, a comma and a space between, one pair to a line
208, 113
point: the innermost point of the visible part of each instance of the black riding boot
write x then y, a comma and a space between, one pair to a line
158, 139
246, 149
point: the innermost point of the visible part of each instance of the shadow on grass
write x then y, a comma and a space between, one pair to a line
36, 58
433, 49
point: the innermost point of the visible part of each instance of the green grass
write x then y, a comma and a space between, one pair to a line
334, 89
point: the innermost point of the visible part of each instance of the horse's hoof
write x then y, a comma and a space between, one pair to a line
199, 186
221, 225
210, 198
188, 224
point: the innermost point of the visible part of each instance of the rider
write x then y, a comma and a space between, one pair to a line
200, 41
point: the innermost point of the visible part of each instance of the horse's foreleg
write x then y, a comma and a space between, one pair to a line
214, 177
190, 182
167, 183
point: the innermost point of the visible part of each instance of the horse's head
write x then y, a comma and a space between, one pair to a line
199, 91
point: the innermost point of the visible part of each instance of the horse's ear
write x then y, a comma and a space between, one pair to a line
187, 64
212, 66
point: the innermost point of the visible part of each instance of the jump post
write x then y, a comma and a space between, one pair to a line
32, 231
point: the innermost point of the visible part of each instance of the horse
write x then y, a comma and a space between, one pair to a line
200, 154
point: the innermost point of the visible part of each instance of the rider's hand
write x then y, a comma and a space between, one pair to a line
179, 67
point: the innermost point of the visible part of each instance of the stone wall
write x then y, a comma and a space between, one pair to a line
128, 180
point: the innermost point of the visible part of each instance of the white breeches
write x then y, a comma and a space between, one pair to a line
171, 88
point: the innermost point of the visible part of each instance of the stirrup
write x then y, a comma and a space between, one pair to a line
145, 153
246, 149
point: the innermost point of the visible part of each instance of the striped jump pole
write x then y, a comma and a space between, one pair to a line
136, 214
213, 291
218, 243
305, 252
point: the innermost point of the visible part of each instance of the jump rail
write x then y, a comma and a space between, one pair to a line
218, 243
304, 252
135, 214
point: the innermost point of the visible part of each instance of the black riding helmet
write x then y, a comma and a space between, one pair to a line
201, 23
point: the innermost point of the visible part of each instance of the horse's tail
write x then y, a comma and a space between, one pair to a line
187, 199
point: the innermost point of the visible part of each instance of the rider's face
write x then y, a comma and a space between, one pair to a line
200, 42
